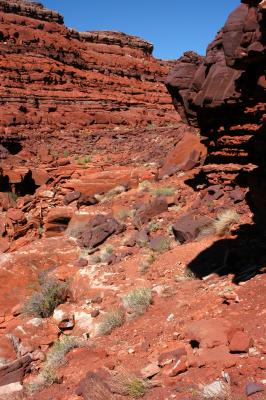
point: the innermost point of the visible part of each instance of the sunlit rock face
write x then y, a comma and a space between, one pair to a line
54, 78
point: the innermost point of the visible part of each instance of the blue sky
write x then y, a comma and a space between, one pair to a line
173, 26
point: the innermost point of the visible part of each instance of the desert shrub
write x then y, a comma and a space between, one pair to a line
145, 264
164, 191
13, 195
154, 226
188, 275
55, 358
135, 388
138, 300
145, 186
111, 319
122, 215
42, 304
170, 229
84, 160
225, 221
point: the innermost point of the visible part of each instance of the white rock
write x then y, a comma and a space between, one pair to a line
170, 317
58, 315
35, 321
11, 388
216, 390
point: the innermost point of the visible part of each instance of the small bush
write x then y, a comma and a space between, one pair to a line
145, 264
188, 275
225, 221
55, 358
138, 300
135, 388
154, 226
83, 160
122, 215
170, 229
111, 320
42, 304
145, 186
164, 191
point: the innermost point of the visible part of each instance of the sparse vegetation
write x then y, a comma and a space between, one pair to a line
145, 264
42, 304
145, 186
164, 191
111, 319
83, 160
13, 195
225, 222
122, 215
188, 275
66, 153
170, 229
104, 253
55, 358
154, 226
138, 300
136, 388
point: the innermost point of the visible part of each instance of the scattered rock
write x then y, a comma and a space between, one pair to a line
253, 387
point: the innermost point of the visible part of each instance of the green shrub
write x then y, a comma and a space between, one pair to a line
111, 320
42, 304
138, 300
135, 388
154, 226
164, 191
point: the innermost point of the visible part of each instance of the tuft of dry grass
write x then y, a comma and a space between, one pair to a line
138, 300
111, 319
42, 304
55, 358
225, 221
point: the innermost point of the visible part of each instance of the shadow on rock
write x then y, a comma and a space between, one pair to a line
244, 256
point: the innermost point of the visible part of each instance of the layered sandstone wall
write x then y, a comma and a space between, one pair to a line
224, 94
53, 78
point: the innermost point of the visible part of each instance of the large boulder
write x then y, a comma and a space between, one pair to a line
98, 229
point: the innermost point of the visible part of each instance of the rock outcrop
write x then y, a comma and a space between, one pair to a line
54, 78
224, 94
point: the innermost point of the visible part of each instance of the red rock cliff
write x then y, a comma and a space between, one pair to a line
224, 94
54, 78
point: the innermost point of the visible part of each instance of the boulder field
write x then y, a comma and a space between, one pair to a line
132, 244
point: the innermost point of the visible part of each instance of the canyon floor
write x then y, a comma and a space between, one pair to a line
132, 245
205, 324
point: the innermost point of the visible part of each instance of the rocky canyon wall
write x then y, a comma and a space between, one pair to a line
224, 94
56, 79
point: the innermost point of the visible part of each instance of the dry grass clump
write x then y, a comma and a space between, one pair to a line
135, 388
138, 300
42, 304
164, 191
55, 358
110, 194
188, 275
111, 319
154, 226
225, 222
127, 383
146, 263
145, 186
